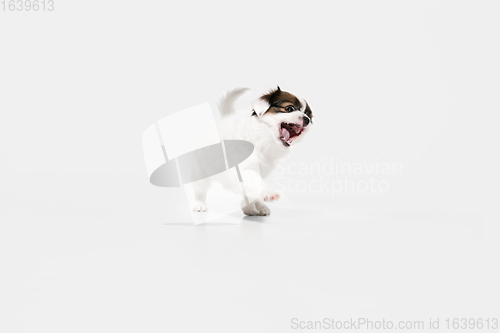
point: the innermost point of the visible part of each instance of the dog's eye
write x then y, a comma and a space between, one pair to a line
290, 108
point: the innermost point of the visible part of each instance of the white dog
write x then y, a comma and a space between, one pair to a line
277, 121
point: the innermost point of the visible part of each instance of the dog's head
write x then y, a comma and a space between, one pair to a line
287, 115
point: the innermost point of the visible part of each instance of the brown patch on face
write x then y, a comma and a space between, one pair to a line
283, 102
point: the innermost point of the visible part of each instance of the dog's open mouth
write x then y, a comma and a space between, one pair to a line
288, 132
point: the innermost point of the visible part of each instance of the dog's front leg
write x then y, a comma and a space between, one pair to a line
254, 185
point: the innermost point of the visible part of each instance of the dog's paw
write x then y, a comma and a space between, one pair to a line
250, 210
258, 209
200, 207
260, 212
270, 196
263, 209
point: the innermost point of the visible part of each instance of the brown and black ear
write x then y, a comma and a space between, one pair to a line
262, 104
270, 96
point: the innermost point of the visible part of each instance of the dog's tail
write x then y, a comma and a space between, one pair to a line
226, 103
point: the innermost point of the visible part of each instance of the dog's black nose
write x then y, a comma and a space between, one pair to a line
306, 121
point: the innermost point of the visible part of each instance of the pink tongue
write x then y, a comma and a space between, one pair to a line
285, 133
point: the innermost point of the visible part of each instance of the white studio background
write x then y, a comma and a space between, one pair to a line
88, 245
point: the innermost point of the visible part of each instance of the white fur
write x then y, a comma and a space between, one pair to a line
264, 133
260, 106
303, 103
303, 108
226, 103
